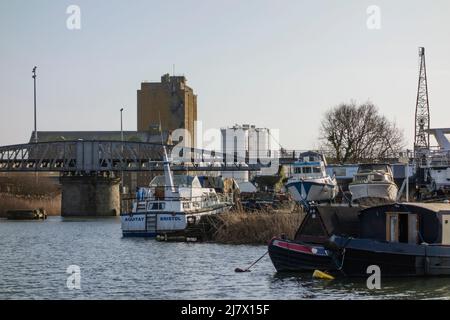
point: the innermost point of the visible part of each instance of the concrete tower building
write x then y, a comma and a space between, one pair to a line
172, 100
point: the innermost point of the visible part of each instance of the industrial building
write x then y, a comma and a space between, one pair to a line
169, 103
248, 142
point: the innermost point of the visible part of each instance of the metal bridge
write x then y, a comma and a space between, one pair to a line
85, 156
93, 156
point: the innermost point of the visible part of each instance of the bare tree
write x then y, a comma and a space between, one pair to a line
353, 133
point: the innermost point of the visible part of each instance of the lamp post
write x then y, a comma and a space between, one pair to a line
121, 138
121, 125
35, 121
407, 176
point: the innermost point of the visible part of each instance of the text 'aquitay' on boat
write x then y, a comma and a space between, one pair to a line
170, 205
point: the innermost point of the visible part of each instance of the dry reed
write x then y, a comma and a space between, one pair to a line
255, 227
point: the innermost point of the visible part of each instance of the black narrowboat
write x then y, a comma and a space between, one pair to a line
402, 239
306, 251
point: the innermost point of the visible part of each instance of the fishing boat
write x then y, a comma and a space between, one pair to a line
373, 182
306, 252
170, 205
310, 181
402, 239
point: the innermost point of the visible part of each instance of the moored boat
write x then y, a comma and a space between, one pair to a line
404, 239
310, 181
306, 252
170, 205
373, 182
36, 214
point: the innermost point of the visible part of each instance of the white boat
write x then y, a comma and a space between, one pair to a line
440, 180
310, 181
373, 181
170, 204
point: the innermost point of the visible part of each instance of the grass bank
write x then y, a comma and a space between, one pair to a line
253, 227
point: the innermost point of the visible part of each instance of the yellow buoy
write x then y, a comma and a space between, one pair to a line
322, 275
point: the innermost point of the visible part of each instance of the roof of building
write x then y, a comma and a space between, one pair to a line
131, 136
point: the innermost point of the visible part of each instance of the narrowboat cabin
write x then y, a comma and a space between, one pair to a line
403, 239
306, 251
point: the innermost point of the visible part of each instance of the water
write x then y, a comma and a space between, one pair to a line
34, 256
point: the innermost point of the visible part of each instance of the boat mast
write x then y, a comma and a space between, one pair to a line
168, 178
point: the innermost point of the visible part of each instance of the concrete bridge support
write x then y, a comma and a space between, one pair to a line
90, 196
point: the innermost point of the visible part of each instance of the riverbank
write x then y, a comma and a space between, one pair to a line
51, 203
253, 227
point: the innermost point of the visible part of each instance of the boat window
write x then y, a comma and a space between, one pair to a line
186, 205
297, 170
306, 169
317, 170
377, 177
157, 206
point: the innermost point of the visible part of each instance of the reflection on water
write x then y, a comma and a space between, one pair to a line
34, 257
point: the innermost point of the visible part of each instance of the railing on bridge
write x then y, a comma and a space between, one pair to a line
108, 156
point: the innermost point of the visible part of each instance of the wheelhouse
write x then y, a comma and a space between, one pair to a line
308, 170
373, 173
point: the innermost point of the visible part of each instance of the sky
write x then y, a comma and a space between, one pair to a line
276, 64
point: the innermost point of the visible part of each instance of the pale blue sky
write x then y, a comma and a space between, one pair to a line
277, 64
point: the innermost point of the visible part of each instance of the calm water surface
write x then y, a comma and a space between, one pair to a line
34, 256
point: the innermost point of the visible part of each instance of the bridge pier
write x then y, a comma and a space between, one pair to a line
90, 196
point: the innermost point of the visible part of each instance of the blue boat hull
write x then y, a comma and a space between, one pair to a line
311, 191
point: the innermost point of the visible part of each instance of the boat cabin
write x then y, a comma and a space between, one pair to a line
187, 195
185, 186
308, 170
373, 172
309, 165
412, 223
321, 222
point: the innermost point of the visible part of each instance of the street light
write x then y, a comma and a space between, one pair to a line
121, 138
121, 125
35, 122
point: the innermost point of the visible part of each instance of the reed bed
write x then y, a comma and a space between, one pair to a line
254, 227
51, 203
